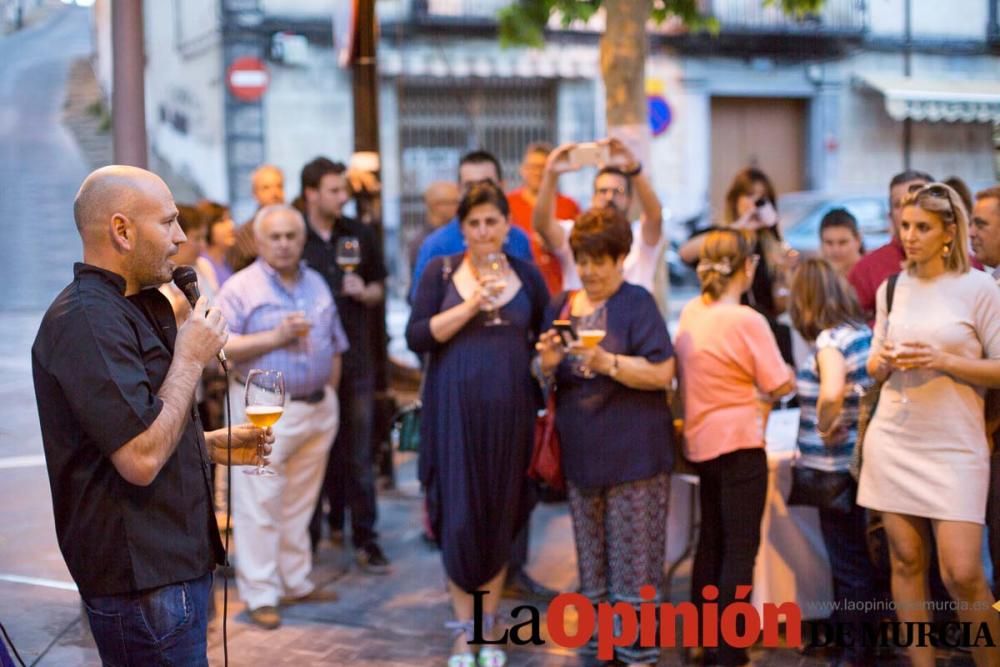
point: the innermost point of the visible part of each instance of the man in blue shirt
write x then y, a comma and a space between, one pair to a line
474, 167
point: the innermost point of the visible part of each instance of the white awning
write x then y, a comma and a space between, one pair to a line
552, 62
937, 100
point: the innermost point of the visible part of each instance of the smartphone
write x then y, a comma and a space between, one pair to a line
565, 329
589, 154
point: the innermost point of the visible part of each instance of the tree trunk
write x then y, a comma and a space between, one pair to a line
624, 46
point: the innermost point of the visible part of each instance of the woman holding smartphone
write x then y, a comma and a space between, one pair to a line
613, 421
751, 205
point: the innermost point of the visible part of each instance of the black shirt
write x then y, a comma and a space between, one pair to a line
356, 317
98, 361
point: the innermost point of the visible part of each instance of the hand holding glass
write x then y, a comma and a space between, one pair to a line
590, 330
264, 398
493, 277
348, 253
901, 335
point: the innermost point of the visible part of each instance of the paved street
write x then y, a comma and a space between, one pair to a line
391, 620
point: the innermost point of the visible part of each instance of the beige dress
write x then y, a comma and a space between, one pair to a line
929, 457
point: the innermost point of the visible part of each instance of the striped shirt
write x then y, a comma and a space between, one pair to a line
853, 343
255, 300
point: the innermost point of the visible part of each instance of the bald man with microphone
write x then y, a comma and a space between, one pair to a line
127, 457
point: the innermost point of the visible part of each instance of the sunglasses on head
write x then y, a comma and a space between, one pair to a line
936, 190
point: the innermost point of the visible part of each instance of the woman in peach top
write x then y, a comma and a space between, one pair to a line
730, 371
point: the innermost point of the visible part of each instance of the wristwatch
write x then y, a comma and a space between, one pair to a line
634, 171
614, 366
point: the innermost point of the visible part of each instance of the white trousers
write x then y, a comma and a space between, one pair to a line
271, 514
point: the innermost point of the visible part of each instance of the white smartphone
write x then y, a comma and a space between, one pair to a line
589, 154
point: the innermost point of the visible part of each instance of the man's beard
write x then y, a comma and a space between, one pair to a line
151, 271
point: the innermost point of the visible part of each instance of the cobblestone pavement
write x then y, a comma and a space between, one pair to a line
390, 620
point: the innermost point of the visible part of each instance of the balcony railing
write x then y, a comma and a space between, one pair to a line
473, 11
752, 16
749, 17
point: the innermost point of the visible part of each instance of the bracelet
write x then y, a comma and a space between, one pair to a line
634, 171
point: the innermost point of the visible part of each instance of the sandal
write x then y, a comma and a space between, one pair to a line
466, 658
490, 656
462, 660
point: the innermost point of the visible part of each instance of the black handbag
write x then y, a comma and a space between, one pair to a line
826, 490
406, 428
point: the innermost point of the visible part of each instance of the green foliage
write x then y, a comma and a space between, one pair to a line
523, 21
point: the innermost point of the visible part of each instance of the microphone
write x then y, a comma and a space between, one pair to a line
187, 282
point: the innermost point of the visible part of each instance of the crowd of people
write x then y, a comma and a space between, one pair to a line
926, 471
519, 296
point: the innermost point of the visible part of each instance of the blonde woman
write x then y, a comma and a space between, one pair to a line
926, 464
731, 370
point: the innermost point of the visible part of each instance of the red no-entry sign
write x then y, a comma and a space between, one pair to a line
247, 78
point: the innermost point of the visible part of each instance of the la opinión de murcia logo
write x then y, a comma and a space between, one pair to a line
739, 624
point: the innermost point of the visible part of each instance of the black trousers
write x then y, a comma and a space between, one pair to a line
349, 483
733, 490
993, 519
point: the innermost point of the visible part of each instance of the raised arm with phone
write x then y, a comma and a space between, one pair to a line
618, 181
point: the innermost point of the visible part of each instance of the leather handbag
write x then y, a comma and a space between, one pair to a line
823, 489
546, 456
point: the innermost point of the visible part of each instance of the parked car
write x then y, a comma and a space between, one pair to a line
801, 213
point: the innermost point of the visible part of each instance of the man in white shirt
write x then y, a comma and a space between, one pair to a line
616, 184
984, 234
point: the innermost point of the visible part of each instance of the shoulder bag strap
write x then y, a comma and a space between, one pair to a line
890, 291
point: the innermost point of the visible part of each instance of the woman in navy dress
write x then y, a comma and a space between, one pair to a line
479, 405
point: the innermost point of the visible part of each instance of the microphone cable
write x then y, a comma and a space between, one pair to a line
11, 645
229, 523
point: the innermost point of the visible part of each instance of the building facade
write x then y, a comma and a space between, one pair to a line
838, 101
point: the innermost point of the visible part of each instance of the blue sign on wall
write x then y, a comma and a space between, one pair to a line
660, 114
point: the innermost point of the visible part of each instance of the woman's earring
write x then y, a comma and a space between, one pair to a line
945, 250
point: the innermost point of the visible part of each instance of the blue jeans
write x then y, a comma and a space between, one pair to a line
853, 574
160, 626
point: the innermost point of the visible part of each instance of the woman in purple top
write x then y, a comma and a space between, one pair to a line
220, 238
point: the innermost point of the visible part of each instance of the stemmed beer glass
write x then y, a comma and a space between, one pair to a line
493, 274
590, 331
264, 399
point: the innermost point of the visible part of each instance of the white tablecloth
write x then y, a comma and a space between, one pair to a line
792, 564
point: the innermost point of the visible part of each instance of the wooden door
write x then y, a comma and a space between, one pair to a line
762, 132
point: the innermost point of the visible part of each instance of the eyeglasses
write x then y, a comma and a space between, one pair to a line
610, 191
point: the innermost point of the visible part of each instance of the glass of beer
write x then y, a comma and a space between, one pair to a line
348, 253
590, 331
264, 399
